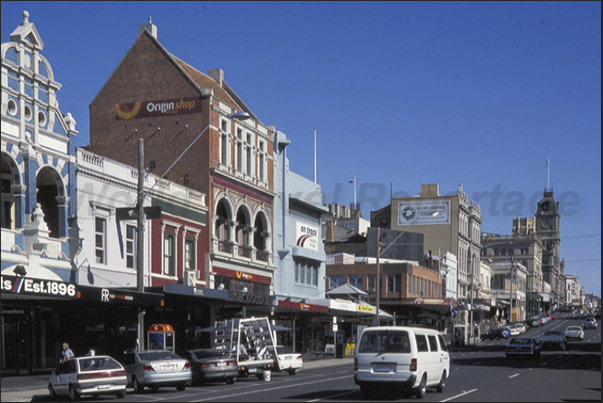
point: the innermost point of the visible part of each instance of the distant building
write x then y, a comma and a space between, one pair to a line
449, 223
572, 290
350, 218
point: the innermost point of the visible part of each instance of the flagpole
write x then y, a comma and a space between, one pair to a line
314, 155
354, 192
548, 174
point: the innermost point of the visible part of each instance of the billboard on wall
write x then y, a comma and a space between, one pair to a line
147, 109
306, 236
425, 212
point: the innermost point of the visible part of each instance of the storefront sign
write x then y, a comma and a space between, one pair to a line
365, 308
303, 306
117, 296
147, 109
250, 299
429, 212
33, 286
306, 236
241, 275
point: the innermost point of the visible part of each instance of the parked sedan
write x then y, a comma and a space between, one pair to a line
211, 365
288, 361
518, 327
523, 346
156, 368
500, 332
590, 323
574, 333
88, 375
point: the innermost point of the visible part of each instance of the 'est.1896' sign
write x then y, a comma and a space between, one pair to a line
22, 285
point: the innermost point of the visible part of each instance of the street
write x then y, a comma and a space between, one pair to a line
478, 374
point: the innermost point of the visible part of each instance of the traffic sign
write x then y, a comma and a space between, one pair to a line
131, 213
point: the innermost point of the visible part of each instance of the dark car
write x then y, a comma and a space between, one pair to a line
523, 346
501, 332
211, 365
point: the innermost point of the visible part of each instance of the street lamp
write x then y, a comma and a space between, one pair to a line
140, 211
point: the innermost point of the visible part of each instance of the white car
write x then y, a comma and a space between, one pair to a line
574, 333
519, 327
288, 361
88, 375
590, 323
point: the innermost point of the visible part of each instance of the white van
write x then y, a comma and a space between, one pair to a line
409, 357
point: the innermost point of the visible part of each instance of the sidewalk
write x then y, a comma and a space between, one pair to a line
34, 387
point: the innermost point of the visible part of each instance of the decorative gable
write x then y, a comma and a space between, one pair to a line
27, 34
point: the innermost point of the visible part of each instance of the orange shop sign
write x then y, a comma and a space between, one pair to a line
147, 109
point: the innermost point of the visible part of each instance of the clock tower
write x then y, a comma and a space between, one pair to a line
547, 227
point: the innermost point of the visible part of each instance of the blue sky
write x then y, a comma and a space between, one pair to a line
401, 94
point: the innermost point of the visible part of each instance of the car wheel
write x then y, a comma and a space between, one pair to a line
181, 388
138, 388
421, 389
292, 372
73, 394
231, 381
442, 385
121, 394
53, 394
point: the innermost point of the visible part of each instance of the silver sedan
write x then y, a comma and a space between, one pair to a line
156, 368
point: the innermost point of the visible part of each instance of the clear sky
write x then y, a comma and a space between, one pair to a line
401, 94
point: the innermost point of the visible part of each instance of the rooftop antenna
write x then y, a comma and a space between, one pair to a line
548, 174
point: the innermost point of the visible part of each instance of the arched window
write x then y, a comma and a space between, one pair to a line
10, 209
220, 230
49, 187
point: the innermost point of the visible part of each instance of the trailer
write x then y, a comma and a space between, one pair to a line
250, 341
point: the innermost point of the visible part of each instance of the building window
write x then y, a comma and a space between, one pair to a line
8, 202
240, 155
394, 283
306, 272
169, 254
249, 156
100, 236
355, 280
130, 246
335, 281
261, 162
189, 254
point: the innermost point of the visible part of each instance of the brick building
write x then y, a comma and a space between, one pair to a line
173, 107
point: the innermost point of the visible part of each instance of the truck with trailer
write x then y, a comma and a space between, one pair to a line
250, 341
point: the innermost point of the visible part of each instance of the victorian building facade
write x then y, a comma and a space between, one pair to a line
197, 132
39, 239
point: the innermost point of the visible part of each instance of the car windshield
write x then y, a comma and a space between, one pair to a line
283, 350
573, 328
207, 354
552, 333
158, 356
97, 364
390, 341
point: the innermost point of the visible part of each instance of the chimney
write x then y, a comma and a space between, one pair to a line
217, 74
149, 27
330, 230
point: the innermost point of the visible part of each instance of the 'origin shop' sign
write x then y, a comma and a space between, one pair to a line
146, 109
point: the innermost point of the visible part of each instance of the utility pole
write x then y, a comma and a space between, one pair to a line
140, 240
472, 307
377, 288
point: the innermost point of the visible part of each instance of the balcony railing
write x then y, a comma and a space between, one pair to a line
245, 251
225, 246
262, 255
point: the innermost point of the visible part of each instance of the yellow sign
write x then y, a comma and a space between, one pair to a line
365, 308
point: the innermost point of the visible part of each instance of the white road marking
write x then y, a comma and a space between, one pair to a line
459, 395
514, 375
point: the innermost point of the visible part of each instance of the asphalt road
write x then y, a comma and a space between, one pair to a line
478, 374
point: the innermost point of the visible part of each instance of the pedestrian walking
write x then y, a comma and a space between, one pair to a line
66, 353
